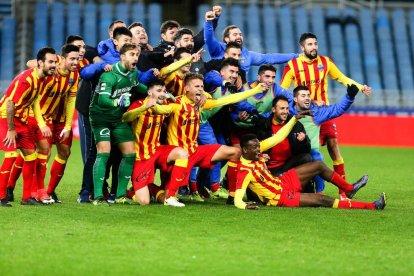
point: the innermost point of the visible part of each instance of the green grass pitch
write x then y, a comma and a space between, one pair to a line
214, 239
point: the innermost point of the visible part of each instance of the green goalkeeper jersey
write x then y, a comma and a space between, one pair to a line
112, 85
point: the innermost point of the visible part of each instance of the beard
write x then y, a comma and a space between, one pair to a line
309, 55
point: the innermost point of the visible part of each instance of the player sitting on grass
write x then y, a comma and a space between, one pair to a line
285, 191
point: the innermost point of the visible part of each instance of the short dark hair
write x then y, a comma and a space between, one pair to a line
135, 24
121, 31
227, 30
71, 38
192, 76
41, 54
232, 44
169, 24
299, 88
127, 47
279, 98
266, 67
179, 51
246, 138
305, 36
155, 82
68, 48
111, 26
182, 31
229, 62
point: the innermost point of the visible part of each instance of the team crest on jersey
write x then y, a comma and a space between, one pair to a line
71, 81
320, 67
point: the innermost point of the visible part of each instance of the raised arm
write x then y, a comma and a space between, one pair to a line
278, 137
214, 47
275, 58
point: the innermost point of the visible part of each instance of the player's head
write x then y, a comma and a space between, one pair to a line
184, 38
70, 57
77, 40
229, 69
301, 96
193, 86
139, 35
233, 50
267, 74
280, 109
309, 45
232, 33
115, 24
168, 29
121, 36
180, 54
156, 90
129, 54
46, 61
250, 147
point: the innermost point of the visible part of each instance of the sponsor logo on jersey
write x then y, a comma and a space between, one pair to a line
105, 132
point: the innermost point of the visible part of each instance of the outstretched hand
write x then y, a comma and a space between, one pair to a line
304, 113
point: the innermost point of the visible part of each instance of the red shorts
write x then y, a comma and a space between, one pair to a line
290, 196
34, 128
144, 170
202, 156
328, 131
24, 139
56, 129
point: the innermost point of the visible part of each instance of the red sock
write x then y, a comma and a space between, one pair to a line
15, 171
232, 176
352, 204
41, 165
339, 167
214, 186
6, 166
28, 172
56, 173
338, 181
179, 176
193, 186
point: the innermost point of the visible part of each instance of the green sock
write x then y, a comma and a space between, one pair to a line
124, 173
99, 169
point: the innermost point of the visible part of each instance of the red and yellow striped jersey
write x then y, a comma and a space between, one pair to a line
53, 98
23, 91
174, 83
256, 176
146, 129
313, 74
82, 63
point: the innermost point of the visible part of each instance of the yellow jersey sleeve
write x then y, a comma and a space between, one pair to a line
278, 137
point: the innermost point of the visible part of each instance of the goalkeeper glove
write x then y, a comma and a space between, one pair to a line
123, 101
352, 90
230, 87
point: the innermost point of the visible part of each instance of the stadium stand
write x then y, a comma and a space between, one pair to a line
7, 48
370, 42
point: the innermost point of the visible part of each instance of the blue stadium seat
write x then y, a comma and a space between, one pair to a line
411, 24
302, 22
57, 31
89, 31
237, 16
154, 23
270, 29
73, 19
354, 51
404, 66
318, 28
106, 18
40, 36
7, 47
122, 13
337, 51
286, 31
201, 11
138, 13
253, 38
386, 52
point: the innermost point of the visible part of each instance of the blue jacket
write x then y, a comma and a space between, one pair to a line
248, 58
327, 112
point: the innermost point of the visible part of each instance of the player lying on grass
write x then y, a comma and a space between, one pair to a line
285, 191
